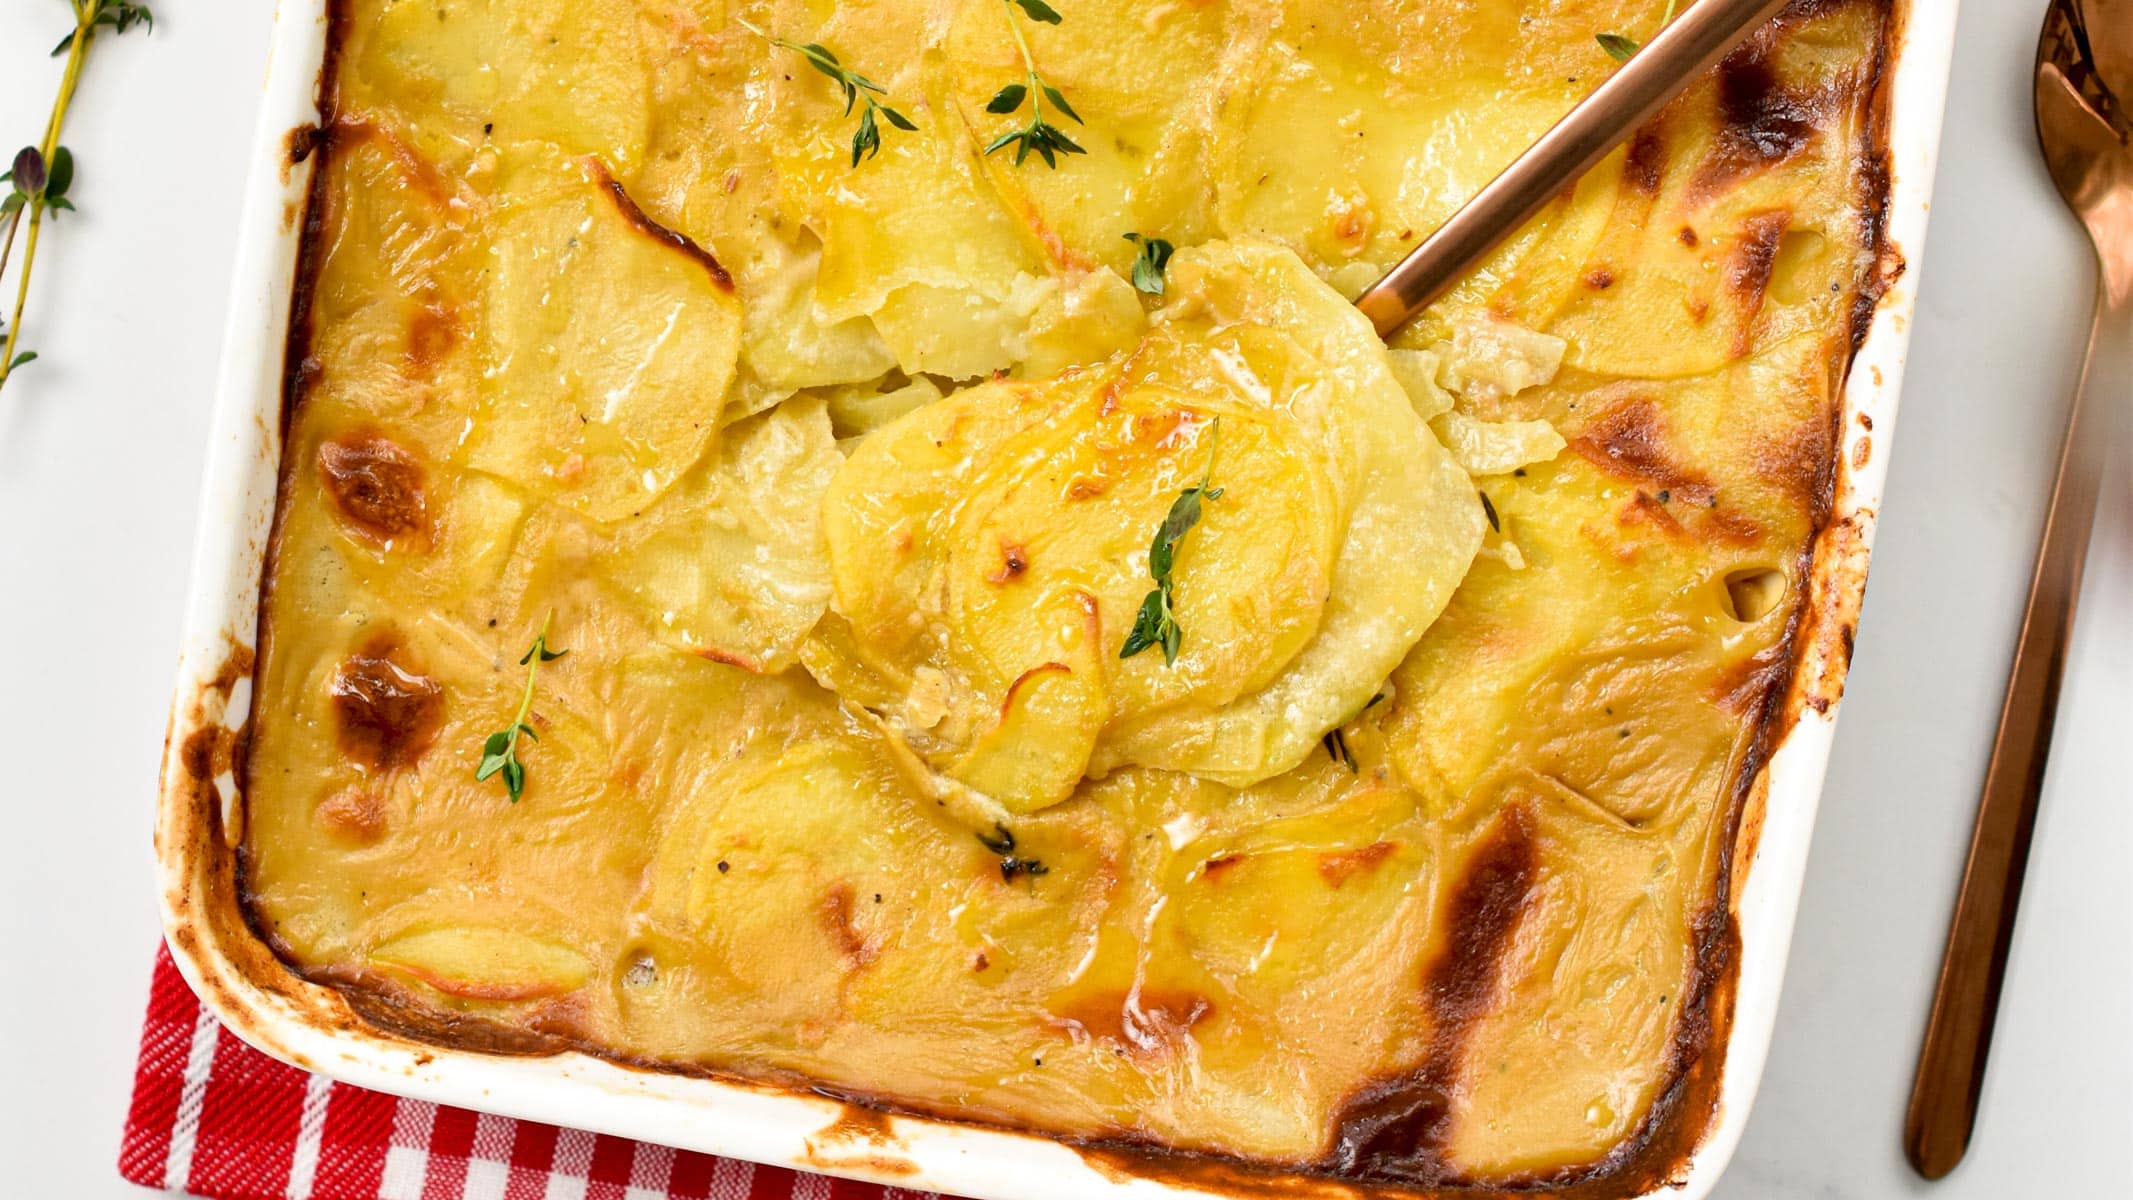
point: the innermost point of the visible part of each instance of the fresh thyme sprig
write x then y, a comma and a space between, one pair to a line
1038, 136
1156, 624
1149, 265
499, 752
1622, 48
41, 174
866, 140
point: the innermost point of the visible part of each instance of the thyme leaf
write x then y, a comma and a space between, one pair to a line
1622, 48
1012, 867
499, 751
1007, 99
1038, 10
1149, 265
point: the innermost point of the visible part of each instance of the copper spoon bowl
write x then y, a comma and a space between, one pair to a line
2084, 86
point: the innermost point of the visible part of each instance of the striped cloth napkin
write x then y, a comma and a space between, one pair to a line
213, 1117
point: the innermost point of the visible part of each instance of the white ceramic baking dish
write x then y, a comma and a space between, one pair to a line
199, 821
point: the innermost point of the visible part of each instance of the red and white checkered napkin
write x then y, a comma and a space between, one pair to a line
216, 1118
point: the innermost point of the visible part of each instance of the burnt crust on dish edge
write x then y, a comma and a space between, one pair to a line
1808, 676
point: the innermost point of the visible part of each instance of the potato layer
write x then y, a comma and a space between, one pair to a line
999, 667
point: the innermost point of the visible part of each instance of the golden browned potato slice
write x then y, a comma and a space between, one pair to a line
1353, 133
571, 73
756, 862
989, 550
731, 562
393, 309
608, 343
483, 963
710, 173
1719, 233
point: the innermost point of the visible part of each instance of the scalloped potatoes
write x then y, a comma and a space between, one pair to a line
839, 485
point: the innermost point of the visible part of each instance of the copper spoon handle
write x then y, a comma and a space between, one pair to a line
1951, 1063
1657, 73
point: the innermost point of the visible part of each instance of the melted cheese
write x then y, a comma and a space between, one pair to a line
839, 483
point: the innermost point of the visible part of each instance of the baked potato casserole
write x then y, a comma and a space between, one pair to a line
863, 546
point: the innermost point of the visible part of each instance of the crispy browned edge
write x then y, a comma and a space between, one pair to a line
213, 921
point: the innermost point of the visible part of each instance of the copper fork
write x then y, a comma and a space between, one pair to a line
2084, 82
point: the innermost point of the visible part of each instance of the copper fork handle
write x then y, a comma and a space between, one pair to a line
1951, 1063
1658, 72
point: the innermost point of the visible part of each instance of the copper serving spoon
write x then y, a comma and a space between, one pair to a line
2083, 92
1688, 46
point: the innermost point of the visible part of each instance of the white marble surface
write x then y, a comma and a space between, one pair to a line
100, 453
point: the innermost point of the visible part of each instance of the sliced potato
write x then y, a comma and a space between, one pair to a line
785, 346
1074, 506
913, 237
609, 344
957, 331
1501, 356
1496, 447
772, 888
568, 72
484, 963
860, 409
731, 562
394, 308
1333, 142
1417, 372
711, 172
1035, 752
